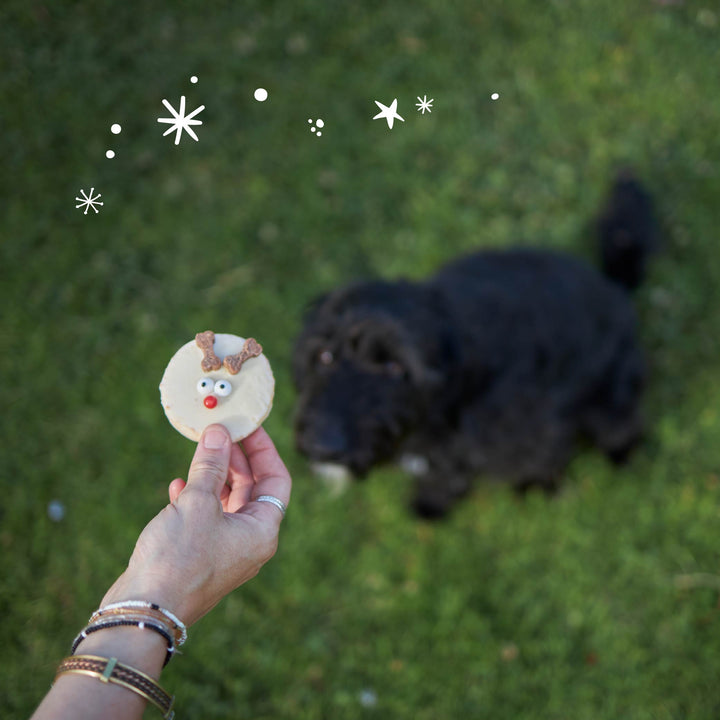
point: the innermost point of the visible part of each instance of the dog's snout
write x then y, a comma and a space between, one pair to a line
322, 440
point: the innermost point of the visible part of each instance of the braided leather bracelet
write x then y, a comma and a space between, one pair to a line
112, 671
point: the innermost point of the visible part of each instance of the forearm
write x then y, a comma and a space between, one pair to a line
215, 534
80, 697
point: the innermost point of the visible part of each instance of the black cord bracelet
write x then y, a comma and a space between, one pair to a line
90, 629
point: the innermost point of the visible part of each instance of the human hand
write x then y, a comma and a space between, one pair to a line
212, 537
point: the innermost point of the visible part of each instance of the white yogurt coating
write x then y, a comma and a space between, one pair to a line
242, 411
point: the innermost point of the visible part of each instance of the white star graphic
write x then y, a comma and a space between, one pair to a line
424, 104
389, 113
89, 201
180, 121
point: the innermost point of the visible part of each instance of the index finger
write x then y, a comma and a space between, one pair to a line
268, 469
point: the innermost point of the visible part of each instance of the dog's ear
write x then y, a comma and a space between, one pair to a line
433, 355
423, 375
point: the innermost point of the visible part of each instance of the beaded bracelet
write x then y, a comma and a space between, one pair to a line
127, 604
141, 613
112, 671
122, 621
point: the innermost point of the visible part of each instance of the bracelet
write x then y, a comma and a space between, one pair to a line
141, 623
127, 604
110, 670
143, 613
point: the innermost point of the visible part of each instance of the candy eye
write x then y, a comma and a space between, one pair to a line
205, 385
223, 388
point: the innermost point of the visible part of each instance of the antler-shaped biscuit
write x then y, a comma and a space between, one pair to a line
251, 349
205, 341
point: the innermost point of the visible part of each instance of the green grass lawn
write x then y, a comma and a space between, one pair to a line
602, 603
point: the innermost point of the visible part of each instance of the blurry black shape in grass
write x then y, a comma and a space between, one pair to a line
496, 365
628, 231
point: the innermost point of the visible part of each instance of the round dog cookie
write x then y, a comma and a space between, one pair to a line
217, 379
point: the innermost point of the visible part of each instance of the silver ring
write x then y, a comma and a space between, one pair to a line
279, 504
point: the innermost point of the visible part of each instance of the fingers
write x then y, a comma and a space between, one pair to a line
235, 492
271, 475
239, 481
209, 466
176, 487
220, 467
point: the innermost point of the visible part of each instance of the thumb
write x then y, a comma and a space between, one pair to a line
209, 467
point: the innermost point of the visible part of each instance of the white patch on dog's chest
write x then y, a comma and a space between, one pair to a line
415, 465
334, 476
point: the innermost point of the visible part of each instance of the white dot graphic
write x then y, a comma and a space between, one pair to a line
261, 94
319, 123
115, 129
495, 96
193, 79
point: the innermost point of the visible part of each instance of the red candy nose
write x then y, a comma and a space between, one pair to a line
210, 402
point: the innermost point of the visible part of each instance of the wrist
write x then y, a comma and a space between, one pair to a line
180, 601
132, 587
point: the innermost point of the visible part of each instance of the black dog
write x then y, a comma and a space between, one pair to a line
495, 365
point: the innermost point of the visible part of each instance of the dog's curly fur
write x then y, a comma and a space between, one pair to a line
493, 366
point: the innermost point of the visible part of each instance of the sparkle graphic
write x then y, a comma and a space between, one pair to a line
389, 113
319, 123
180, 121
89, 201
424, 104
115, 129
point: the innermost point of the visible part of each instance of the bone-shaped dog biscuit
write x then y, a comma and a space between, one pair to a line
206, 342
234, 363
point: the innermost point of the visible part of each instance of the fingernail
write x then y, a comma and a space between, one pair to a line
214, 439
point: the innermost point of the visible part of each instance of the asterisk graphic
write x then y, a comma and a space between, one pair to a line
89, 201
180, 121
424, 104
389, 113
